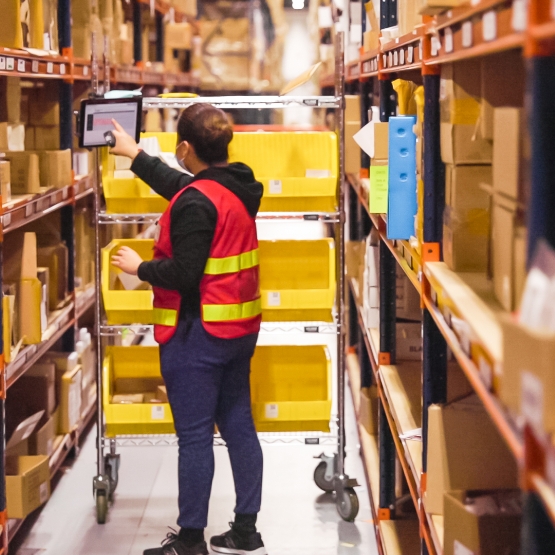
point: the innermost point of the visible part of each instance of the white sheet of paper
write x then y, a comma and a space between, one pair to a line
365, 139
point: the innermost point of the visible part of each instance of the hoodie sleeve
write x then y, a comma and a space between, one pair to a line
164, 180
192, 227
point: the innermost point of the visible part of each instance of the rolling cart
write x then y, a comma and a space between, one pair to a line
329, 474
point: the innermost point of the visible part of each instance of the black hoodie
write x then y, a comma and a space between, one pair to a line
192, 224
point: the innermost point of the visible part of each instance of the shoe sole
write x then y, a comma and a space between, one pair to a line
230, 551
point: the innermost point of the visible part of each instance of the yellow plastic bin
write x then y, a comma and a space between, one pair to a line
291, 388
297, 280
123, 306
135, 368
299, 171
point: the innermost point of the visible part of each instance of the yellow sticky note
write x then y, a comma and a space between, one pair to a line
378, 189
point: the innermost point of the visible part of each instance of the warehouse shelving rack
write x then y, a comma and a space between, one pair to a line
483, 28
71, 74
330, 473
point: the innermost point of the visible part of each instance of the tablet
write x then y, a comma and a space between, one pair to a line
96, 117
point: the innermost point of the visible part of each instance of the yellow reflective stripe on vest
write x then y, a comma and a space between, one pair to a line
230, 312
232, 264
164, 317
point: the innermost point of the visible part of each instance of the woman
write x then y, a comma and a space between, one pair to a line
207, 310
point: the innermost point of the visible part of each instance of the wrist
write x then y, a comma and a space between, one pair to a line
134, 153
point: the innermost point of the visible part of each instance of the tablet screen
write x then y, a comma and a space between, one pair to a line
97, 119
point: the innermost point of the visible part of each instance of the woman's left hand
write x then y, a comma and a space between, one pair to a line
127, 260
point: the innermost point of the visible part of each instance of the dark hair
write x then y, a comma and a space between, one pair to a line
209, 131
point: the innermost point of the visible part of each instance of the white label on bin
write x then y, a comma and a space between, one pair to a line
21, 66
50, 67
448, 40
274, 298
435, 46
35, 66
272, 410
318, 173
467, 34
2, 62
43, 492
396, 58
158, 412
489, 25
520, 14
410, 55
62, 69
10, 64
402, 56
461, 549
276, 187
532, 399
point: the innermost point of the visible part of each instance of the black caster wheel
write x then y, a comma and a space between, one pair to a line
320, 478
101, 507
347, 504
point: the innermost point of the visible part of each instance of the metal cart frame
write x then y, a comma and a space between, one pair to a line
330, 473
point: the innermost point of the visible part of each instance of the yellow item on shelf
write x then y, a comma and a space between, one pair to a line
297, 280
124, 306
130, 363
298, 170
405, 96
178, 95
291, 388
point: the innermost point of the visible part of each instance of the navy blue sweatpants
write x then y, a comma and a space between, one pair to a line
207, 380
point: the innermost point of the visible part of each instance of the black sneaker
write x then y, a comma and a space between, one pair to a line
172, 545
238, 544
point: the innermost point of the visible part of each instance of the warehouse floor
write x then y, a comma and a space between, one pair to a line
296, 517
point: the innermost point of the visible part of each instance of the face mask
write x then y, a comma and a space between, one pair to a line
183, 166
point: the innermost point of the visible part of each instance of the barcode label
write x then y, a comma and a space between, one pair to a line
2, 62
402, 57
520, 14
410, 55
274, 298
62, 69
272, 410
435, 46
395, 58
276, 187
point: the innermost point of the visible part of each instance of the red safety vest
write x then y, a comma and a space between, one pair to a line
230, 289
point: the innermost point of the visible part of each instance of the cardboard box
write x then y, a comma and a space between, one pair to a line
527, 375
502, 85
465, 451
519, 263
460, 145
19, 433
36, 390
128, 399
409, 341
47, 138
42, 441
27, 485
435, 7
354, 263
70, 400
5, 181
352, 150
465, 240
407, 297
55, 258
129, 386
177, 36
460, 89
187, 7
352, 108
162, 394
10, 99
370, 40
381, 141
368, 414
488, 523
503, 234
408, 16
464, 188
24, 172
55, 168
509, 129
44, 107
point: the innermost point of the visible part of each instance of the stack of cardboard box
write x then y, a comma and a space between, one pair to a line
468, 157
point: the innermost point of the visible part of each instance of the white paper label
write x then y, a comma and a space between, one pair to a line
43, 492
2, 62
384, 60
435, 46
390, 60
460, 549
272, 410
420, 53
85, 70
21, 66
532, 399
158, 412
49, 67
274, 298
410, 55
35, 66
10, 64
520, 14
402, 57
276, 187
489, 25
448, 40
396, 58
467, 34
62, 69
317, 173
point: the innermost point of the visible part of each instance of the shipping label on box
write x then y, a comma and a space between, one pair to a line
379, 186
